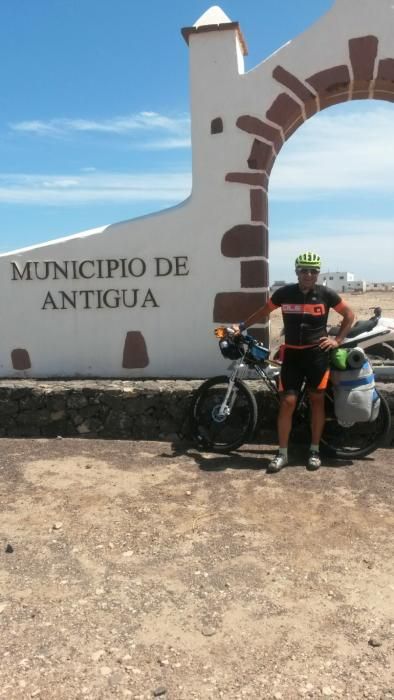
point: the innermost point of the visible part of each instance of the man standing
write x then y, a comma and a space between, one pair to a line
305, 308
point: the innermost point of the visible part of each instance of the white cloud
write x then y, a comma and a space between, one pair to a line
94, 187
362, 246
165, 144
337, 153
123, 125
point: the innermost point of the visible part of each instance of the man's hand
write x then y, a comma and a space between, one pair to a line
328, 343
236, 328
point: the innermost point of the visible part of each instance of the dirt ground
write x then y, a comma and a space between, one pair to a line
362, 305
140, 570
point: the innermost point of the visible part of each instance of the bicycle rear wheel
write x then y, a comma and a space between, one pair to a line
360, 439
218, 433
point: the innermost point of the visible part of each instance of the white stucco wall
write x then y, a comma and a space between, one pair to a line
177, 328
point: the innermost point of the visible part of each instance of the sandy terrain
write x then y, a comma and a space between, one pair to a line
136, 570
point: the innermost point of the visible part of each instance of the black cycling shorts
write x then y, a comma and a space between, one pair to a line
311, 364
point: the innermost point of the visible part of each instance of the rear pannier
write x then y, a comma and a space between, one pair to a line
355, 397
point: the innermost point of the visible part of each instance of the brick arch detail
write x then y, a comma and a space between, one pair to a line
365, 76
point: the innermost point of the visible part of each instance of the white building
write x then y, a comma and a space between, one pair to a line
339, 281
357, 286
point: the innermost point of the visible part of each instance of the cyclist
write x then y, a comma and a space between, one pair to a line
305, 307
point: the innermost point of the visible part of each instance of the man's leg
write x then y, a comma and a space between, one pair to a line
291, 378
318, 415
287, 405
317, 375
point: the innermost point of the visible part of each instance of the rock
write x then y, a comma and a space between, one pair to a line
9, 549
57, 526
327, 692
374, 642
159, 691
2, 607
208, 631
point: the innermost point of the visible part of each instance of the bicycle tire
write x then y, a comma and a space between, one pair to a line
358, 440
225, 433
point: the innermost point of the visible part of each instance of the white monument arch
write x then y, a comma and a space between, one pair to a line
141, 298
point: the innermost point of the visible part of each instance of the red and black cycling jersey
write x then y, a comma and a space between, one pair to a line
305, 313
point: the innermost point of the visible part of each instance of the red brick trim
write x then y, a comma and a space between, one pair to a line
255, 126
331, 80
363, 52
386, 69
290, 81
217, 125
284, 111
231, 307
244, 241
254, 273
135, 354
253, 180
261, 156
20, 359
259, 206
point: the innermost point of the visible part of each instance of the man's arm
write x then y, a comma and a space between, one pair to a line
347, 314
262, 312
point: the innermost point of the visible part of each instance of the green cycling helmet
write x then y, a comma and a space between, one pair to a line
308, 259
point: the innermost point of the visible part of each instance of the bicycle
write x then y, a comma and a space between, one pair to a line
224, 413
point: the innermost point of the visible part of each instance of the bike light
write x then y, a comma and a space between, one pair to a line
220, 332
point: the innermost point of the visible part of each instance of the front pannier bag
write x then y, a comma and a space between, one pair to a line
355, 397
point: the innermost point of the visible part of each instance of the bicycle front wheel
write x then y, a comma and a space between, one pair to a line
222, 433
358, 440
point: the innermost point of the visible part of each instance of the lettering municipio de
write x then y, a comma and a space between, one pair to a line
99, 269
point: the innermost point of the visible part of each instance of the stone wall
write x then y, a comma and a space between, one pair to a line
138, 410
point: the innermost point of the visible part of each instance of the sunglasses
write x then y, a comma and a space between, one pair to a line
306, 270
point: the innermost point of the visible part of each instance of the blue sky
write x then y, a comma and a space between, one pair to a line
94, 129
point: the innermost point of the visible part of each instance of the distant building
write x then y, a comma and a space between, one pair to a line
379, 286
276, 285
357, 286
339, 281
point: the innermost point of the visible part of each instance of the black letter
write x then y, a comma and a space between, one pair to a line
135, 297
57, 268
15, 269
149, 298
86, 292
167, 262
112, 265
49, 300
143, 267
81, 272
72, 301
179, 264
46, 270
116, 299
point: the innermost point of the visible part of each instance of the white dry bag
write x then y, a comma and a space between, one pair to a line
355, 397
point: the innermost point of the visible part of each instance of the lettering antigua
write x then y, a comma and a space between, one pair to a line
102, 268
99, 299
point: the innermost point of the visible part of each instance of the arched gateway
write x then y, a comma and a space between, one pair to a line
347, 55
140, 298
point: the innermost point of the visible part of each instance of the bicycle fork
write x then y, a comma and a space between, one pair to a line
231, 394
